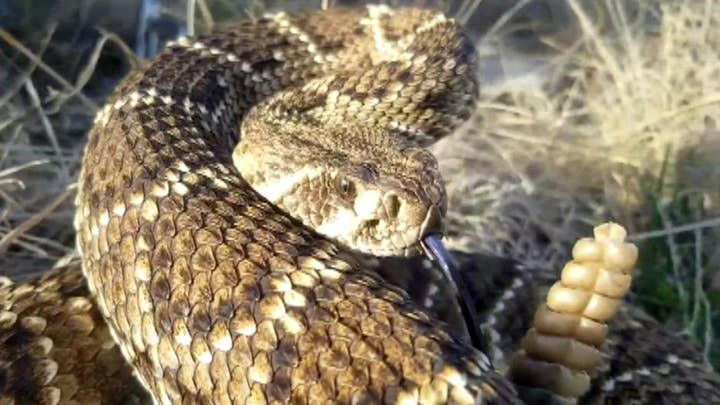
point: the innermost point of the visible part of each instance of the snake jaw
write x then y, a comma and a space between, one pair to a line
379, 197
400, 222
385, 215
391, 223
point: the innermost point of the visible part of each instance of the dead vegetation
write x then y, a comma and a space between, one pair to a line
621, 126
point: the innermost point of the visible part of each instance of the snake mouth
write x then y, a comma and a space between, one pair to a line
398, 235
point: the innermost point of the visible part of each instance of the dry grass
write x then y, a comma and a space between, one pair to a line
622, 126
619, 122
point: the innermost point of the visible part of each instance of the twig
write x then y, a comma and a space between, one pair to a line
20, 167
135, 61
503, 19
18, 119
12, 236
7, 197
9, 145
29, 71
206, 14
43, 241
190, 17
7, 37
87, 71
36, 250
46, 125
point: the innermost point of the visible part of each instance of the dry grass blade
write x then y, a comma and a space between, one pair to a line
505, 18
190, 17
19, 230
7, 37
86, 73
7, 146
19, 82
49, 130
12, 170
135, 62
206, 14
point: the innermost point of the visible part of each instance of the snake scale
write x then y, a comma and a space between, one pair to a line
215, 295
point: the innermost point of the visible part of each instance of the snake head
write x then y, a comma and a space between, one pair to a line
373, 197
384, 211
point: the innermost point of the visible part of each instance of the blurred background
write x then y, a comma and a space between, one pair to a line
591, 110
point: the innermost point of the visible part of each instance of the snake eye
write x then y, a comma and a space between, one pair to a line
346, 188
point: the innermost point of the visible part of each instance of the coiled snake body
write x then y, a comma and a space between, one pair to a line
213, 293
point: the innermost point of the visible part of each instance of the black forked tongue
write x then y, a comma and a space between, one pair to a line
436, 251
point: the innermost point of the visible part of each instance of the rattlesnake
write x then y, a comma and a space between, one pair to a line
213, 293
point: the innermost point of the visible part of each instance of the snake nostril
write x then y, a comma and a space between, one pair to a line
392, 205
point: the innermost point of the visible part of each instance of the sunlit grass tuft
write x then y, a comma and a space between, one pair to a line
618, 122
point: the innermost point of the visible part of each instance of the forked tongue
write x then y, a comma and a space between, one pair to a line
435, 250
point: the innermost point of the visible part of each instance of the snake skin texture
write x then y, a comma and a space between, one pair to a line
209, 294
56, 348
64, 353
215, 295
